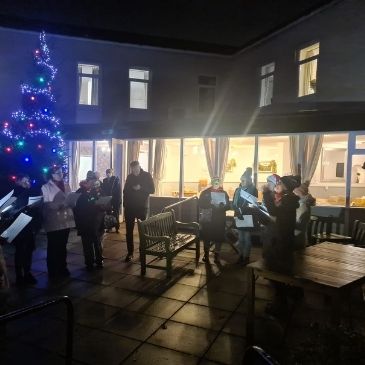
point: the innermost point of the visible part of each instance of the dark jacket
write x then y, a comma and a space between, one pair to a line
138, 199
89, 217
279, 251
111, 187
240, 205
215, 229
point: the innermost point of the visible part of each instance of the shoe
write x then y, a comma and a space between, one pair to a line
117, 231
128, 258
19, 282
65, 272
100, 265
30, 279
205, 258
217, 259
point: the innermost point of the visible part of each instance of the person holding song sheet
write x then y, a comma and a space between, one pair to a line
24, 242
213, 203
245, 217
89, 219
57, 221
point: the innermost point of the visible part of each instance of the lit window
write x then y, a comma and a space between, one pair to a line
138, 80
88, 84
308, 63
207, 86
267, 83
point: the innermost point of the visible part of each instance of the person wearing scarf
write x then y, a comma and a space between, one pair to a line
241, 207
57, 221
213, 223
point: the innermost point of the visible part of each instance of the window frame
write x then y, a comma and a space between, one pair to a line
147, 82
307, 60
205, 86
80, 74
266, 76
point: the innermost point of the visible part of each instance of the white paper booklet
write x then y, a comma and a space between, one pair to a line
249, 197
34, 200
8, 204
6, 198
18, 225
217, 198
246, 222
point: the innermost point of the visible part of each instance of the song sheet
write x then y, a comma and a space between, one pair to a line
16, 227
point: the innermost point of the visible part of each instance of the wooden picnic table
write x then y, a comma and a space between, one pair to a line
329, 268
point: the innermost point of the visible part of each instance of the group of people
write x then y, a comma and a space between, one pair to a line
87, 212
282, 217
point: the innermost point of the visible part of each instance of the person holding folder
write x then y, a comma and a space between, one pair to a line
242, 213
57, 221
213, 203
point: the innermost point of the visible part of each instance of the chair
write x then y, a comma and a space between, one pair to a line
359, 234
255, 355
322, 229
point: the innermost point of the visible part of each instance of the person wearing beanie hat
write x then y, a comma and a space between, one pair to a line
212, 217
290, 183
241, 207
272, 181
306, 201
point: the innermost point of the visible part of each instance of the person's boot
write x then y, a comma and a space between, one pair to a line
216, 257
29, 279
206, 256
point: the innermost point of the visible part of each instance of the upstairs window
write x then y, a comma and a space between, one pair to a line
207, 86
267, 83
138, 81
88, 84
308, 63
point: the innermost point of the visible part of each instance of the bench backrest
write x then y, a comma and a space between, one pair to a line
162, 224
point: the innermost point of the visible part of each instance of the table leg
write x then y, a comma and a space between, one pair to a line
250, 321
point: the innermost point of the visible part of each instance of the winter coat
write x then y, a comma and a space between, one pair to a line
89, 217
214, 230
302, 219
240, 205
111, 187
56, 215
137, 200
279, 247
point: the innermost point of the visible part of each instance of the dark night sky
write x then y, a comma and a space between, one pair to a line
221, 25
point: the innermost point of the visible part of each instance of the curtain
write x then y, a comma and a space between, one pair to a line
75, 165
216, 153
132, 152
223, 147
159, 165
209, 147
305, 151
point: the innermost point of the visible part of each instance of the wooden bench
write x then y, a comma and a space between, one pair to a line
162, 236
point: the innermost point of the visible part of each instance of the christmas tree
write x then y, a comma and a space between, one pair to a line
31, 141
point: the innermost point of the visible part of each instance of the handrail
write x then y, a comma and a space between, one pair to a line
171, 206
40, 306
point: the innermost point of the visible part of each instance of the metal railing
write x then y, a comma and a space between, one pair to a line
39, 307
185, 210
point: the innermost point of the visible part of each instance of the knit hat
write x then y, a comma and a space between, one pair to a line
247, 174
273, 179
289, 182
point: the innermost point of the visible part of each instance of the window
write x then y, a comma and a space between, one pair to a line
138, 80
267, 83
86, 159
240, 155
206, 93
102, 157
88, 84
196, 174
308, 63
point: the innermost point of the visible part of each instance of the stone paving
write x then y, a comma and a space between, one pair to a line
196, 317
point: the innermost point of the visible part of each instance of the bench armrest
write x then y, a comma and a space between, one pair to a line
193, 226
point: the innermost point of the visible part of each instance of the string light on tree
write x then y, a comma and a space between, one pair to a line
32, 140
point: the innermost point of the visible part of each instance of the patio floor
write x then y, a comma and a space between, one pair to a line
197, 317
